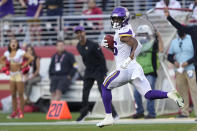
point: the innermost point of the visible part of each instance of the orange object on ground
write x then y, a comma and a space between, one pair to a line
58, 110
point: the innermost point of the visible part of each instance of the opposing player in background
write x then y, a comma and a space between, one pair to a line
126, 49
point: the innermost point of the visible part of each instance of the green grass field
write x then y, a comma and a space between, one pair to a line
40, 117
169, 127
34, 117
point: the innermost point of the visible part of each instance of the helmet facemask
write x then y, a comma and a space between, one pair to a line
119, 17
117, 22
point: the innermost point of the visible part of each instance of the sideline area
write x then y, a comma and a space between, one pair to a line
121, 121
38, 122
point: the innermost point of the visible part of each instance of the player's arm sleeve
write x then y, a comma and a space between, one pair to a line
73, 63
127, 36
178, 26
171, 54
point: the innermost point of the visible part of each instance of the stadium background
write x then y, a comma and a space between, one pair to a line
54, 28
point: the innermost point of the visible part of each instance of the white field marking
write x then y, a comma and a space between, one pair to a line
93, 122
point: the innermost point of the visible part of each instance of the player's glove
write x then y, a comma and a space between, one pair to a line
126, 63
104, 42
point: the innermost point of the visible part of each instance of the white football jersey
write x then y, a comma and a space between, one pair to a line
121, 50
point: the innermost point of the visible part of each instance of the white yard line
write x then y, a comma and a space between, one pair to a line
122, 121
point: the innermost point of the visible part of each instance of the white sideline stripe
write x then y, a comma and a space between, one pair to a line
123, 121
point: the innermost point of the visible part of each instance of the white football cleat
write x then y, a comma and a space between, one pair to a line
174, 95
109, 120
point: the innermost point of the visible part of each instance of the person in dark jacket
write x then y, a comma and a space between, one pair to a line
191, 30
96, 69
61, 71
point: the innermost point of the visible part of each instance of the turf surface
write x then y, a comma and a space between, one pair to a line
41, 117
34, 117
169, 127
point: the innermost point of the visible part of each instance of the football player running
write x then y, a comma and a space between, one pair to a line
126, 49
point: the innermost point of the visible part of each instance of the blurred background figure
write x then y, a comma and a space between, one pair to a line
6, 8
193, 7
34, 9
54, 7
33, 75
150, 4
92, 8
181, 54
14, 55
104, 4
6, 11
92, 23
187, 29
96, 69
170, 4
148, 59
62, 69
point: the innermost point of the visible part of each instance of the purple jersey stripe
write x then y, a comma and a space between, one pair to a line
127, 33
111, 78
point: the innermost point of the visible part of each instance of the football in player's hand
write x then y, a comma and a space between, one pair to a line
110, 41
